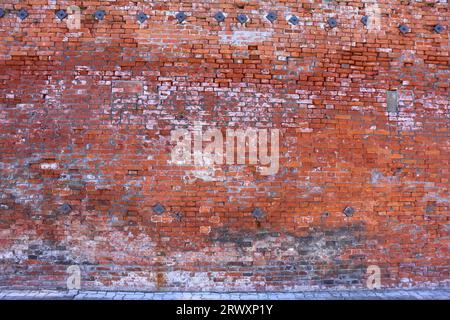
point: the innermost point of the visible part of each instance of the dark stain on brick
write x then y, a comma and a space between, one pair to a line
241, 238
320, 254
324, 215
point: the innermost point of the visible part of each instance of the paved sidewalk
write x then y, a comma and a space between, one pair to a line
396, 294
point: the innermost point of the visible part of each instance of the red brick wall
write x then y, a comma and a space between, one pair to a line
86, 117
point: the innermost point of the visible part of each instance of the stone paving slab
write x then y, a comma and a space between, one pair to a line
387, 294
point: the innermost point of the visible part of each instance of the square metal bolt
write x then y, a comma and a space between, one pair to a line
22, 14
219, 16
141, 17
271, 16
258, 213
61, 14
365, 20
438, 28
158, 208
348, 211
178, 216
99, 14
332, 22
2, 12
65, 208
180, 16
403, 28
294, 20
242, 18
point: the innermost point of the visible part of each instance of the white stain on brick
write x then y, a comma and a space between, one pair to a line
49, 166
373, 11
243, 37
206, 174
136, 279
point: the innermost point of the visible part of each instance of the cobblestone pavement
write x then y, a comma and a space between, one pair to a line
415, 294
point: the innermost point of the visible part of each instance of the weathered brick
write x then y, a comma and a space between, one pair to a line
86, 115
